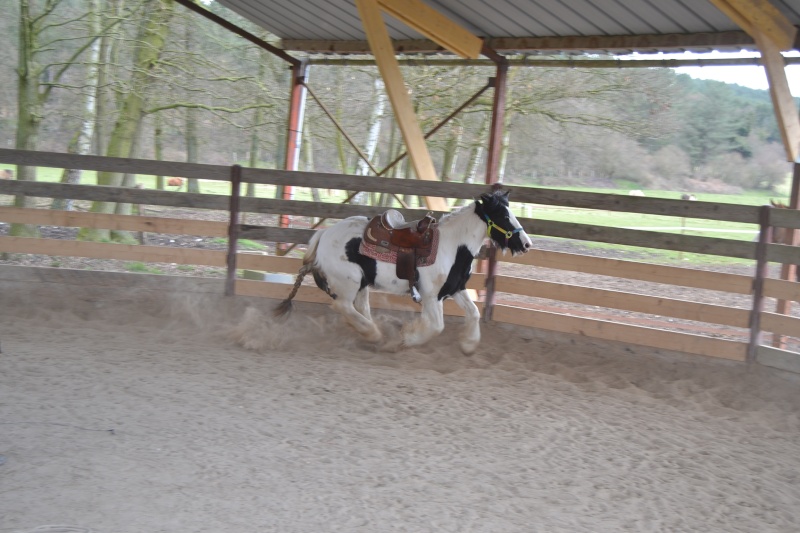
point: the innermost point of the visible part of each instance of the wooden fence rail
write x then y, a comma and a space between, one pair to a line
695, 311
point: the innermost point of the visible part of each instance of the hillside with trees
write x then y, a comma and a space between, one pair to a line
146, 78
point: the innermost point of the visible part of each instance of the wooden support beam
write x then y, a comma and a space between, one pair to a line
760, 19
782, 101
435, 26
381, 46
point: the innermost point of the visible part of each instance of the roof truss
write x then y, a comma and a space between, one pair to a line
612, 43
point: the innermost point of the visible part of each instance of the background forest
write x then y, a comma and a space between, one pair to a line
148, 79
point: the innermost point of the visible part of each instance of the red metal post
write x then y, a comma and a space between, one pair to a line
493, 166
293, 135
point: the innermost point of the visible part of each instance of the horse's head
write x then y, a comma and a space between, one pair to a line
501, 224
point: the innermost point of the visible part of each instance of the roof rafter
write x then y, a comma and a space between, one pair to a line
782, 100
435, 26
381, 46
760, 19
658, 42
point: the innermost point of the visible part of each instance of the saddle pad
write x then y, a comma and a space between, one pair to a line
385, 255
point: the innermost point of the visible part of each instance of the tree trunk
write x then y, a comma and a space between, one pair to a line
258, 119
340, 141
152, 38
451, 152
386, 199
284, 80
106, 97
29, 107
475, 155
192, 141
128, 180
192, 184
254, 149
83, 144
373, 134
307, 151
501, 172
158, 147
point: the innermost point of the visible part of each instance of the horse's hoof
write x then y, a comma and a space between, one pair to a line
374, 337
468, 348
392, 345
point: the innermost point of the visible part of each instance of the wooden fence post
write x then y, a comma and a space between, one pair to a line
233, 229
764, 238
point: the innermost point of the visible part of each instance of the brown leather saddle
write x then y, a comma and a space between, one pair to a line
412, 241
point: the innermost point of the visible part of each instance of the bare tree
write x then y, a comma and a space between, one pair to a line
45, 34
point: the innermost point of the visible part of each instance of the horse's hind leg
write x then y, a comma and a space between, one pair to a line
471, 334
362, 324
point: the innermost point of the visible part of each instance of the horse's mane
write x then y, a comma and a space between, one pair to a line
456, 213
497, 195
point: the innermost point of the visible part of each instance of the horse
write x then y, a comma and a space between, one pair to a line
334, 257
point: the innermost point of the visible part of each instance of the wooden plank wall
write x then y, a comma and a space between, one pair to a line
588, 296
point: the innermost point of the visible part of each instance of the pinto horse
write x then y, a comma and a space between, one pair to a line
339, 268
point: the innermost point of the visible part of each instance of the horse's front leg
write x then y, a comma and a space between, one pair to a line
427, 325
361, 303
471, 334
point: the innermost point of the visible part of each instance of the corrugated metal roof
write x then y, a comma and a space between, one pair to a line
546, 24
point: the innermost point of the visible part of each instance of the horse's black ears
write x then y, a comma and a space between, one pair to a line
497, 193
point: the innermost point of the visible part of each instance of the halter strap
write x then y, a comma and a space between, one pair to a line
490, 224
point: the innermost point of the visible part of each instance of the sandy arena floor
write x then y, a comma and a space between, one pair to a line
142, 409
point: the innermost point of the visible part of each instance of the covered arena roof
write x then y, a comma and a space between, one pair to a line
528, 26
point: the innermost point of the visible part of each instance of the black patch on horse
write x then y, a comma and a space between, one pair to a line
368, 265
459, 273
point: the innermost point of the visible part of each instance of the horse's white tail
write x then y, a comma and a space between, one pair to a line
309, 259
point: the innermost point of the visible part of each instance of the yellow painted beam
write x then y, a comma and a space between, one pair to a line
760, 16
434, 26
381, 46
785, 109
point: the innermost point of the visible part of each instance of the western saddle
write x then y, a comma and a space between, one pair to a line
412, 241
